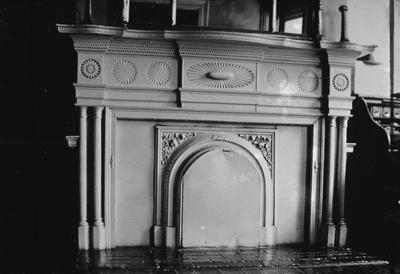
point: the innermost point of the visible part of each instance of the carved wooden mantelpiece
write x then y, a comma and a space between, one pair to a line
205, 90
212, 71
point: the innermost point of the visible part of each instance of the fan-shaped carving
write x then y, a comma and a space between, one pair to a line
90, 68
277, 79
220, 75
340, 82
308, 81
158, 73
124, 71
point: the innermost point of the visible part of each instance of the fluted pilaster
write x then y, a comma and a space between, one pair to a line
83, 229
328, 227
341, 230
98, 225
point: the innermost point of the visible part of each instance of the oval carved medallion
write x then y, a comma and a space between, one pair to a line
220, 75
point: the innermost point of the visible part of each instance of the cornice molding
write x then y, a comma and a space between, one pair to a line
120, 45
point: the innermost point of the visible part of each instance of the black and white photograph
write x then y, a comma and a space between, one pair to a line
200, 136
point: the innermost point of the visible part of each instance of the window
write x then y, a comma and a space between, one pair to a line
287, 16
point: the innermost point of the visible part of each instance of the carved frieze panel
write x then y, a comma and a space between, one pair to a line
340, 82
90, 69
274, 78
124, 71
308, 81
170, 139
158, 73
277, 79
140, 72
264, 143
219, 75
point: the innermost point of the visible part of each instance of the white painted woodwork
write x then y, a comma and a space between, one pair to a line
98, 225
204, 89
328, 227
83, 228
341, 230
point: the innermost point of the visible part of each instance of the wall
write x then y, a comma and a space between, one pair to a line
368, 24
397, 46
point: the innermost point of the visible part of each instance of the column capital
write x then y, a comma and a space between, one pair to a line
97, 112
343, 121
83, 111
331, 120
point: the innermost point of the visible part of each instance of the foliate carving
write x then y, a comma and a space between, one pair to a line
170, 141
124, 71
158, 73
277, 79
90, 68
340, 82
262, 143
308, 81
220, 75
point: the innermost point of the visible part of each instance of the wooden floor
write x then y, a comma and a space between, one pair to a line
281, 259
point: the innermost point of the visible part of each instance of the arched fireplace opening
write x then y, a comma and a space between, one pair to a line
183, 174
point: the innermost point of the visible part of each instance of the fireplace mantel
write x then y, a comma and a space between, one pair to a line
212, 86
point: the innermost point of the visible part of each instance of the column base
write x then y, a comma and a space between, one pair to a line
98, 234
328, 231
341, 235
268, 235
83, 237
170, 236
156, 236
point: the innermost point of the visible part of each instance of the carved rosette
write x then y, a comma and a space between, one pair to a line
340, 82
170, 141
220, 75
158, 73
308, 81
90, 68
124, 71
277, 79
262, 143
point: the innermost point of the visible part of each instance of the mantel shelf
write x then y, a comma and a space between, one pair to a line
239, 37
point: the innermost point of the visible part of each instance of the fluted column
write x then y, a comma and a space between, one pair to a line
98, 225
83, 229
328, 227
341, 230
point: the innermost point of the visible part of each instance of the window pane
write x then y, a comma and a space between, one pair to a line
186, 17
150, 12
295, 16
235, 14
191, 12
294, 25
